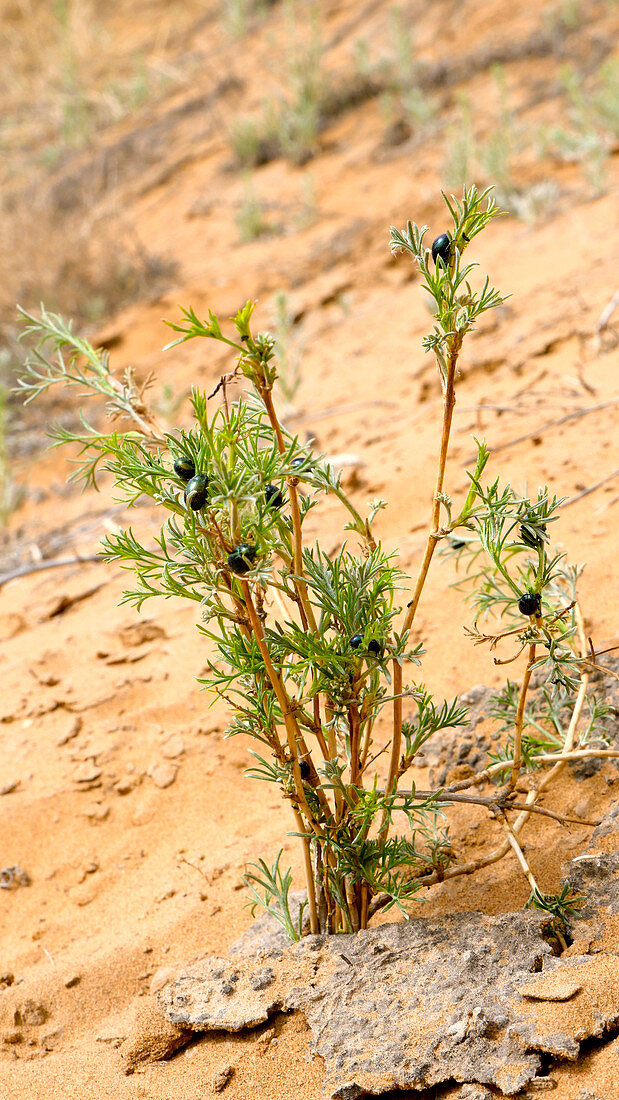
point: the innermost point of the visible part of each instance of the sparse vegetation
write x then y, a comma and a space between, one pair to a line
563, 19
496, 158
505, 142
289, 125
592, 127
250, 217
586, 139
10, 495
83, 104
298, 116
459, 144
406, 107
237, 15
249, 142
288, 358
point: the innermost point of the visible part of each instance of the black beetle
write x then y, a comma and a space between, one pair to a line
184, 468
373, 647
241, 559
455, 543
274, 496
441, 248
305, 769
530, 603
196, 492
299, 461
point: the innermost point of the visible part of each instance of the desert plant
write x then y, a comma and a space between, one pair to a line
10, 494
361, 57
249, 141
236, 15
250, 220
496, 158
405, 106
308, 212
505, 141
563, 20
459, 144
289, 366
289, 125
299, 114
76, 121
311, 649
83, 107
605, 98
593, 123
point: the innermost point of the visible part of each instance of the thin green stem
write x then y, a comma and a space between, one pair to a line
361, 525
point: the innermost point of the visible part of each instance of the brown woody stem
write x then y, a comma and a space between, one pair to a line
294, 736
524, 687
433, 537
305, 607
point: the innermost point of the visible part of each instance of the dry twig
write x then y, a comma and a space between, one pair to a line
50, 563
577, 414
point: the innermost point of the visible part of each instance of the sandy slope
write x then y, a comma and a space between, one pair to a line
125, 801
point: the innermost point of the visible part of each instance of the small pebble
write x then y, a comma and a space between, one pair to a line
474, 1092
10, 786
167, 894
161, 977
97, 812
163, 775
221, 1079
84, 893
143, 814
13, 876
70, 731
12, 1037
173, 747
31, 1014
550, 989
262, 978
87, 773
125, 785
51, 1040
